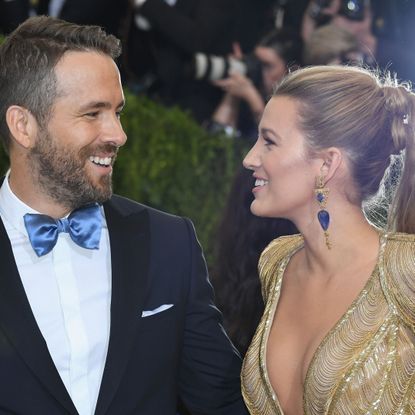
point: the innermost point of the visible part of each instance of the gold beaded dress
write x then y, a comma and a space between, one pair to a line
366, 362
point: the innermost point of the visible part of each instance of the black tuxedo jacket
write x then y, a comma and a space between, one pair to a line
182, 351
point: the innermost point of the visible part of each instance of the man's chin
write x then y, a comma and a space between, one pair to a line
102, 195
104, 198
101, 191
94, 196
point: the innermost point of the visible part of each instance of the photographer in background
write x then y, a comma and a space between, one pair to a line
247, 90
332, 45
354, 16
163, 39
384, 29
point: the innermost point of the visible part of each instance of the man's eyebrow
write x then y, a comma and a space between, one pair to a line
100, 105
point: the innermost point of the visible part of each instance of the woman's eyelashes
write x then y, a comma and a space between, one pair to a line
268, 141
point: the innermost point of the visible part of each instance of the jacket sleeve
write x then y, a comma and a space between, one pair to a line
398, 275
210, 366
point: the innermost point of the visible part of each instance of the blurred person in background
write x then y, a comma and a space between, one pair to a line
332, 45
355, 16
165, 36
245, 93
384, 29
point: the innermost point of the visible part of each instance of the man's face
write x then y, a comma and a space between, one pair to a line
73, 154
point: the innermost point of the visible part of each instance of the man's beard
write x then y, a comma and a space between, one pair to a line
61, 174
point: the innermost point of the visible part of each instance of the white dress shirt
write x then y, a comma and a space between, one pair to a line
69, 291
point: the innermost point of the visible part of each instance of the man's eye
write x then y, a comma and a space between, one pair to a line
92, 114
119, 113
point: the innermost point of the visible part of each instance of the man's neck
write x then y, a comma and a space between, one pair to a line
28, 193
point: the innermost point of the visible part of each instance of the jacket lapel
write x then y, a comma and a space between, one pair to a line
19, 325
129, 240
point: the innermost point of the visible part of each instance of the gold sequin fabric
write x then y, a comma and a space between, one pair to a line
366, 363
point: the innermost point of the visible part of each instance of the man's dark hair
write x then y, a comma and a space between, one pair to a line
28, 58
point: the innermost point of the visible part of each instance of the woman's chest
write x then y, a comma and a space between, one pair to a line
302, 320
312, 364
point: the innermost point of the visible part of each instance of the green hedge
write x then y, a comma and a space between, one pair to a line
169, 162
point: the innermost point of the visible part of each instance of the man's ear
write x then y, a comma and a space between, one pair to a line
22, 125
332, 160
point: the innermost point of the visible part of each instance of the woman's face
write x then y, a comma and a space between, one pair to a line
273, 67
284, 172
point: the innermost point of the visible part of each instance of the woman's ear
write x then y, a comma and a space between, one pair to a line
22, 125
332, 160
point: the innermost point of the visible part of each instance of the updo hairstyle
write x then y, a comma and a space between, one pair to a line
368, 117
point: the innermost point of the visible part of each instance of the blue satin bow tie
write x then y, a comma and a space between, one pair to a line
83, 225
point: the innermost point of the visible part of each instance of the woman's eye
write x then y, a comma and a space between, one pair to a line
268, 142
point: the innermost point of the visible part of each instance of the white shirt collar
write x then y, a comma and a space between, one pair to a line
13, 209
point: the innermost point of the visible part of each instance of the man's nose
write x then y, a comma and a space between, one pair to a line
114, 133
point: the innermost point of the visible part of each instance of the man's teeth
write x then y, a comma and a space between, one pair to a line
260, 182
102, 161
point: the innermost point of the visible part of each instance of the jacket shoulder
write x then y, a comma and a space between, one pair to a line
127, 206
163, 227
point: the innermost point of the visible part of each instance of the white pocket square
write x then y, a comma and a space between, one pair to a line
147, 313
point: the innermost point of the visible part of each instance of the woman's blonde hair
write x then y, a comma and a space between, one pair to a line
368, 116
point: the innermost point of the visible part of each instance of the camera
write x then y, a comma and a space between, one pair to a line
212, 67
352, 9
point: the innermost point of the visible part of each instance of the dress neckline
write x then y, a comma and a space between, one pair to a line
276, 291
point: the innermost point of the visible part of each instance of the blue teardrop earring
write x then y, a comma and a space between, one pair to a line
323, 216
